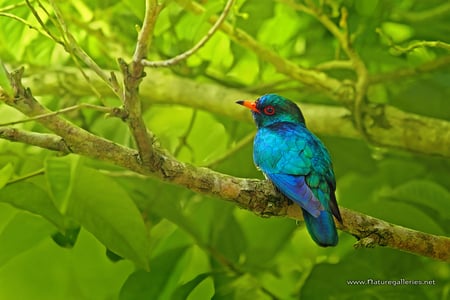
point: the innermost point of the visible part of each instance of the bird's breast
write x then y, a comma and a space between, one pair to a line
282, 150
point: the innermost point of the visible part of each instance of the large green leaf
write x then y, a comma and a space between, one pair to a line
264, 238
227, 236
22, 233
243, 287
104, 208
60, 174
424, 193
4, 81
364, 274
167, 203
27, 196
152, 284
5, 174
366, 8
405, 215
48, 272
183, 291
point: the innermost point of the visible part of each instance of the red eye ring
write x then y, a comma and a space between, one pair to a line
269, 110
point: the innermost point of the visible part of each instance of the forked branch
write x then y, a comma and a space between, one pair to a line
255, 195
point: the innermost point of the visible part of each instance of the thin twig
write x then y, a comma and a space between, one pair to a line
26, 176
174, 60
44, 27
422, 44
75, 51
26, 23
133, 75
399, 50
145, 36
71, 137
242, 143
401, 73
333, 87
104, 109
69, 44
12, 6
41, 140
342, 35
183, 138
423, 15
335, 65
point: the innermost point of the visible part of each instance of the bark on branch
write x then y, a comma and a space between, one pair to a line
133, 74
255, 195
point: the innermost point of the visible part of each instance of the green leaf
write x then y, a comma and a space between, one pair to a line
420, 55
137, 8
226, 233
270, 234
104, 208
114, 257
68, 238
169, 123
238, 287
150, 285
403, 214
257, 15
22, 233
424, 193
5, 174
280, 30
398, 171
218, 43
48, 272
166, 202
397, 32
27, 196
60, 173
183, 291
4, 81
337, 281
367, 7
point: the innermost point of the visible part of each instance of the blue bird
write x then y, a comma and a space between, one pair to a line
297, 163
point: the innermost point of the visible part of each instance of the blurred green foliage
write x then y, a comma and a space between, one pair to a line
180, 245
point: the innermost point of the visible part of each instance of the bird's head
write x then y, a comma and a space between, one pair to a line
271, 108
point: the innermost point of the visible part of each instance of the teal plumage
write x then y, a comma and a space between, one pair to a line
297, 163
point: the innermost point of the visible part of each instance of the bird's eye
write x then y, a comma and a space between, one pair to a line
269, 110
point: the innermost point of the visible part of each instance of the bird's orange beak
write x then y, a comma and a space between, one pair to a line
249, 104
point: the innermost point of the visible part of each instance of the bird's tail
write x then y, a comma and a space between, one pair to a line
322, 228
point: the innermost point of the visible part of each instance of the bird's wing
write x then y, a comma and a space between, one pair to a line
298, 164
296, 189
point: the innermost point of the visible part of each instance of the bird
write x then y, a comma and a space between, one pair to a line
296, 162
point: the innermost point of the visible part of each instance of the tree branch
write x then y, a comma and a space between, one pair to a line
255, 195
75, 138
41, 140
133, 75
429, 66
201, 43
385, 125
391, 127
111, 111
421, 16
358, 66
70, 45
313, 78
375, 232
162, 88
